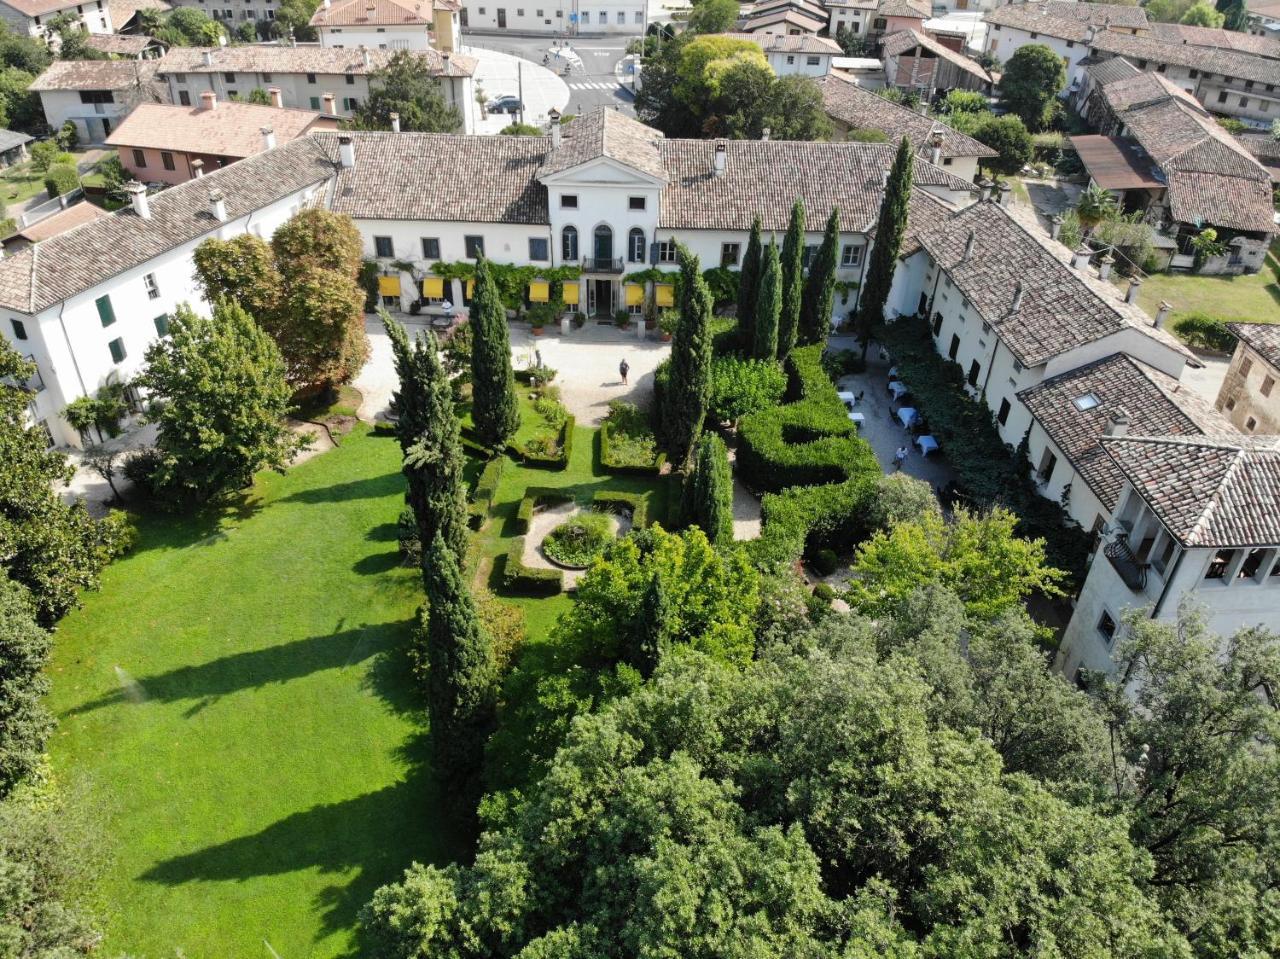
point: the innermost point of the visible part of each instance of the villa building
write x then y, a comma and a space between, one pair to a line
1248, 396
95, 95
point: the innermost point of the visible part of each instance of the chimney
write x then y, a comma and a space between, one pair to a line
1105, 262
1055, 225
984, 187
923, 109
207, 58
330, 103
1005, 192
208, 100
1117, 423
346, 153
218, 205
765, 134
197, 168
1162, 314
1080, 259
1017, 297
553, 118
1131, 295
721, 157
968, 245
138, 197
935, 154
364, 55
277, 98
395, 123
1089, 35
268, 138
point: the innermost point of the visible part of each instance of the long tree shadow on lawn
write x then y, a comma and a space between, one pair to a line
373, 487
374, 836
254, 669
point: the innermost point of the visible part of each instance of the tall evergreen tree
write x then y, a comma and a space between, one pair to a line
768, 306
650, 630
887, 245
689, 387
820, 285
494, 409
709, 490
749, 288
427, 428
792, 281
25, 724
461, 679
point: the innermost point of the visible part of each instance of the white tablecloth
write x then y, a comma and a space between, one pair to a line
897, 389
927, 444
907, 415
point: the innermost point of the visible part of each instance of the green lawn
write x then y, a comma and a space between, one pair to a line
268, 771
1253, 299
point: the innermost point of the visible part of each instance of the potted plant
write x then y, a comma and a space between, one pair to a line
622, 318
667, 323
579, 319
542, 314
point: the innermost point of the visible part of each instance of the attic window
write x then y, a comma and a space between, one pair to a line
1086, 402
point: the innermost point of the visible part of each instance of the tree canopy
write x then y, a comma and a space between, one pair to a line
1030, 83
1008, 136
405, 86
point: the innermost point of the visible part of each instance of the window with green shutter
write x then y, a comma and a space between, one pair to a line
105, 313
162, 324
116, 347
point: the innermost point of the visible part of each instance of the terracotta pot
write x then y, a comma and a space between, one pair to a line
537, 331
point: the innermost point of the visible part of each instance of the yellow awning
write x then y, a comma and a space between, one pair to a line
433, 288
388, 286
539, 291
635, 294
471, 288
570, 295
665, 294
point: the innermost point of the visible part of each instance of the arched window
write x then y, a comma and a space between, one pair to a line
569, 244
603, 249
635, 245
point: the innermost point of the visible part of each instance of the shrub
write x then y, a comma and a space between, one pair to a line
824, 562
505, 626
867, 135
723, 284
812, 517
627, 443
637, 504
576, 542
61, 179
140, 469
740, 387
529, 580
824, 592
1205, 332
534, 497
486, 488
547, 450
407, 535
840, 363
898, 498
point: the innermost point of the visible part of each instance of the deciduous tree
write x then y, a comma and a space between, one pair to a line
1008, 136
689, 387
25, 723
494, 409
768, 306
709, 490
886, 245
405, 86
712, 16
1030, 83
792, 281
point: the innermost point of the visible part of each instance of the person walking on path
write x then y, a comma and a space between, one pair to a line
624, 368
899, 457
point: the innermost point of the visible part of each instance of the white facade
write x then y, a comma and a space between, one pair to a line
406, 37
93, 15
802, 64
1003, 42
583, 17
233, 14
94, 120
855, 17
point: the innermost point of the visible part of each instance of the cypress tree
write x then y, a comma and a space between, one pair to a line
688, 388
649, 636
819, 287
461, 679
427, 428
792, 281
493, 385
768, 306
887, 245
709, 490
749, 288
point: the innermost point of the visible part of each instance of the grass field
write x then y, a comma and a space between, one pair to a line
1252, 299
237, 704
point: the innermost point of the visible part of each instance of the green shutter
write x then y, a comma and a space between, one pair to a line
117, 350
162, 324
315, 102
105, 313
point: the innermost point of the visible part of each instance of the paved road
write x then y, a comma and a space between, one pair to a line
592, 81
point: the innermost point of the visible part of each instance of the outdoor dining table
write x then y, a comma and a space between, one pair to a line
897, 388
858, 418
907, 415
927, 444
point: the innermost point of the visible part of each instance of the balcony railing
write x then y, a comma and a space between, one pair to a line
599, 264
1126, 564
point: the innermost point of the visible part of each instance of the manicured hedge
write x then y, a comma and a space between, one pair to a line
529, 580
637, 503
610, 465
61, 178
486, 487
535, 496
558, 461
806, 518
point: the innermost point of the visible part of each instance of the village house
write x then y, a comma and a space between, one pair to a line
804, 54
916, 62
562, 17
135, 47
783, 22
30, 18
852, 108
1161, 154
13, 147
95, 95
1248, 396
387, 24
853, 16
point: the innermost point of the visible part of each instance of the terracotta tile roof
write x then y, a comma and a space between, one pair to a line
356, 13
849, 103
1207, 491
916, 9
895, 44
773, 6
60, 222
607, 133
12, 139
1263, 337
441, 176
1155, 405
1067, 20
119, 44
76, 260
791, 43
765, 177
1224, 39
231, 129
95, 75
303, 58
789, 17
38, 8
1241, 66
1110, 70
1061, 309
122, 11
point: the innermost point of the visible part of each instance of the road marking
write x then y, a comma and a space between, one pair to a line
592, 85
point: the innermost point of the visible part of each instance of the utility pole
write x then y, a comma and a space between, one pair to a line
520, 87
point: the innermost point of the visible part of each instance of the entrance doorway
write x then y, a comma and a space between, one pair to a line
502, 19
600, 294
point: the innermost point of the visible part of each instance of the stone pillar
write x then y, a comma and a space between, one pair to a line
566, 325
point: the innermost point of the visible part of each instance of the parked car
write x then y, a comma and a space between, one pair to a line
508, 103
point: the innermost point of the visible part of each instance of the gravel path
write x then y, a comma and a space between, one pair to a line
547, 519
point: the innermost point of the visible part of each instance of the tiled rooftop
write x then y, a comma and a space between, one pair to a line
1223, 39
1263, 337
303, 58
898, 43
231, 129
95, 75
607, 133
792, 43
118, 44
369, 13
1231, 63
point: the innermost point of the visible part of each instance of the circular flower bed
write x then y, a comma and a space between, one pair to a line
576, 542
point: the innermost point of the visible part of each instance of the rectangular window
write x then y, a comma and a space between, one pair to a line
351, 79
812, 61
974, 370
635, 203
639, 18
1003, 416
180, 77
937, 323
315, 103
1047, 462
1222, 96
474, 246
586, 16
116, 347
539, 249
229, 77
1245, 366
152, 287
666, 251
809, 253
1252, 564
851, 254
729, 253
791, 60
430, 248
383, 247
266, 78
105, 313
96, 96
311, 78
162, 324
622, 18
1244, 102
568, 201
1268, 384
1107, 627
166, 160
955, 347
184, 98
1218, 565
349, 104
139, 158
19, 329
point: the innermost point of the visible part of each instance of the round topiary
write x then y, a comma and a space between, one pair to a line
825, 562
576, 542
